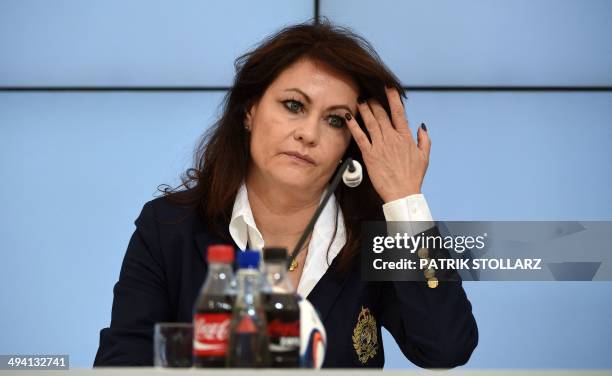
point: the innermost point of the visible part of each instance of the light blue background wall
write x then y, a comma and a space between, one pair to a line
76, 167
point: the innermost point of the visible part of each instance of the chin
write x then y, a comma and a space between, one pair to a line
294, 178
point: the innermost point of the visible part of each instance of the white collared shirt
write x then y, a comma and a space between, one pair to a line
244, 231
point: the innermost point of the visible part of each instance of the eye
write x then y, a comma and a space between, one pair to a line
336, 121
293, 105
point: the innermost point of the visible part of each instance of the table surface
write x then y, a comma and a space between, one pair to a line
141, 371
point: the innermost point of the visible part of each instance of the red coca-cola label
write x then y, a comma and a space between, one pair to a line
278, 328
211, 333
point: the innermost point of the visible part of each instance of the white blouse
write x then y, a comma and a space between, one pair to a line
244, 231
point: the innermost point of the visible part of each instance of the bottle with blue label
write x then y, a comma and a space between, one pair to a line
248, 342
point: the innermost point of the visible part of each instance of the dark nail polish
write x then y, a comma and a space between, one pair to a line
424, 127
360, 100
348, 116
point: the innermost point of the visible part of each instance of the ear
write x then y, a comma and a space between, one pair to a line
250, 113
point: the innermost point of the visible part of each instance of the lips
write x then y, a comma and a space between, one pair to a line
300, 156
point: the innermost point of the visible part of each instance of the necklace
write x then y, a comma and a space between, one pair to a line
294, 263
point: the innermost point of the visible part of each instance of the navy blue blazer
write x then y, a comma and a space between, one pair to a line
164, 268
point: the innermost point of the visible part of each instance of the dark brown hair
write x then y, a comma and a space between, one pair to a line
222, 155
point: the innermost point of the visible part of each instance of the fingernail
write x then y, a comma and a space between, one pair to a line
424, 127
360, 100
348, 116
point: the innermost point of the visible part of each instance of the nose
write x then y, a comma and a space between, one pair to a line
307, 131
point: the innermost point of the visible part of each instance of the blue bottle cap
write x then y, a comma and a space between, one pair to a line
248, 259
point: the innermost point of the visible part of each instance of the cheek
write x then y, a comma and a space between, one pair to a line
337, 145
265, 138
270, 127
254, 147
342, 141
258, 145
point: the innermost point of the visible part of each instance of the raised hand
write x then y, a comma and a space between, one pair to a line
395, 162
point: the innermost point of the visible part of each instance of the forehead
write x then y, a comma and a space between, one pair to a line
316, 79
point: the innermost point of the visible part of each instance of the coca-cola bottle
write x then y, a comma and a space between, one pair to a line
282, 310
248, 343
213, 309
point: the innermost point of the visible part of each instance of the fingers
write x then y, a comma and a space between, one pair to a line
358, 134
370, 121
381, 116
398, 116
424, 142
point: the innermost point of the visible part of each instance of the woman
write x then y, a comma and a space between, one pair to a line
304, 100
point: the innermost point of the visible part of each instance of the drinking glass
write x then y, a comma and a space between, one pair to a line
172, 344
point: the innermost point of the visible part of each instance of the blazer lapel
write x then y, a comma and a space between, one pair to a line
325, 293
204, 237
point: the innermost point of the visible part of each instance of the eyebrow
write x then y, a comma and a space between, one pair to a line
335, 107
